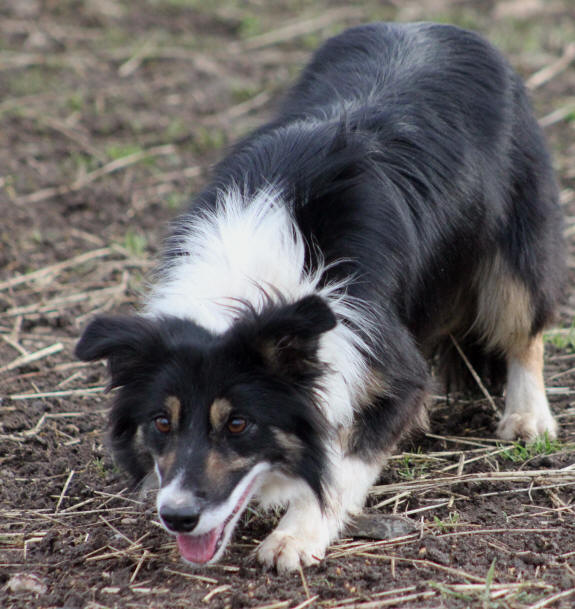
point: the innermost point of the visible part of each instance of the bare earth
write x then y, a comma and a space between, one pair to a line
111, 114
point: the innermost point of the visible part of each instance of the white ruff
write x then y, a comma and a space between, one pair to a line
250, 251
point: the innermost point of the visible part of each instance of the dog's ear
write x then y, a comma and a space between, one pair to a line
289, 336
128, 343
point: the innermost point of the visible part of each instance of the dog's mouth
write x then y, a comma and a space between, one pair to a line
204, 548
200, 549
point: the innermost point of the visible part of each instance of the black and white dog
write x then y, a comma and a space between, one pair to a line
401, 200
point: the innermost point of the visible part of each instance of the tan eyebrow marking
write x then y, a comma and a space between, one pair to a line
219, 412
174, 408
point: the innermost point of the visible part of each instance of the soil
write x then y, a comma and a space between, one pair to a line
111, 114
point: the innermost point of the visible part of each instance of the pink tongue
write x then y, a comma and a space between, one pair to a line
199, 548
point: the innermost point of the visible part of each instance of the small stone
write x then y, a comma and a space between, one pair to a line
27, 582
380, 526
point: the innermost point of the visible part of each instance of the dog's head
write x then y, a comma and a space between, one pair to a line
212, 414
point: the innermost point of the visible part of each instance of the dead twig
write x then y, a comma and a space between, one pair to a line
56, 394
309, 601
556, 476
64, 490
551, 599
49, 272
557, 115
426, 563
476, 377
388, 602
241, 109
549, 72
32, 357
297, 29
55, 305
135, 61
82, 182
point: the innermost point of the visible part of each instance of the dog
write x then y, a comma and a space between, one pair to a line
401, 201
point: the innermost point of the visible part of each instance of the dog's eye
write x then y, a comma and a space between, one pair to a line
163, 424
237, 425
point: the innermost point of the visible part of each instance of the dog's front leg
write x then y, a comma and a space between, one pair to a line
392, 404
306, 530
301, 537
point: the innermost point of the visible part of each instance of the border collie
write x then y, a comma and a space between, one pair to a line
401, 200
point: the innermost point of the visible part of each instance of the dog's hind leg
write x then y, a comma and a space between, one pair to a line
507, 313
527, 414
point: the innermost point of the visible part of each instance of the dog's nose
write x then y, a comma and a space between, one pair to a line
179, 520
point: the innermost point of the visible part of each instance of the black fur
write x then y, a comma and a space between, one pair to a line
411, 152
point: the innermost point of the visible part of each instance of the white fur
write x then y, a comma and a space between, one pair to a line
305, 531
352, 479
249, 251
527, 414
173, 494
301, 536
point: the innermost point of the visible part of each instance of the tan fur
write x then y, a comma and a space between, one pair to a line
344, 436
219, 412
504, 310
174, 408
166, 461
218, 467
532, 359
374, 386
290, 443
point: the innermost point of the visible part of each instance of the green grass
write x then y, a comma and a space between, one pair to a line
102, 467
250, 25
412, 466
488, 584
449, 593
243, 93
119, 151
136, 243
176, 199
562, 338
76, 102
208, 139
34, 80
80, 162
520, 452
446, 525
175, 129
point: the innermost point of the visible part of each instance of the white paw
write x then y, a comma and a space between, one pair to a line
527, 426
287, 552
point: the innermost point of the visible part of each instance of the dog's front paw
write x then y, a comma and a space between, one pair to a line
287, 552
527, 426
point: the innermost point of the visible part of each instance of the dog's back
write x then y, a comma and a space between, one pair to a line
411, 152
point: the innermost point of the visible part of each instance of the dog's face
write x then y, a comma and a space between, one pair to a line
213, 414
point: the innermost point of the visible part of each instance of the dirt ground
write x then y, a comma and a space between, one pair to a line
111, 114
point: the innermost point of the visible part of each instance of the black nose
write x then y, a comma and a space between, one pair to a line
179, 519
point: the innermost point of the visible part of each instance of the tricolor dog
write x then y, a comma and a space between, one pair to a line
400, 200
